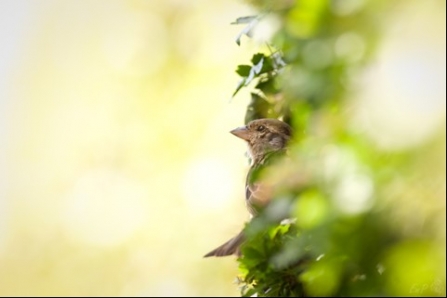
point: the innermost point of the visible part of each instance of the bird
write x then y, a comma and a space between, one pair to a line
267, 138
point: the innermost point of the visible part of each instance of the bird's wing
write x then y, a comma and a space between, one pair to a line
231, 247
259, 195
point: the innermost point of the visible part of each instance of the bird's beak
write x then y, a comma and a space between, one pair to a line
241, 132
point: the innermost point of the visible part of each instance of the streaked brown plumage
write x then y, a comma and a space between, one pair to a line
265, 138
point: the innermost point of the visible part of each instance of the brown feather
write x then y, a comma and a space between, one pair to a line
231, 247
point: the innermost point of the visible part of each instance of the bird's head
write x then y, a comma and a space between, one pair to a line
264, 136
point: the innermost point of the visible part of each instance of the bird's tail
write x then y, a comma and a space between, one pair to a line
231, 247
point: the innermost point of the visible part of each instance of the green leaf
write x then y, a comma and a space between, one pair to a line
262, 63
322, 278
279, 229
267, 86
268, 65
257, 57
258, 66
250, 292
240, 84
250, 77
243, 70
252, 253
259, 107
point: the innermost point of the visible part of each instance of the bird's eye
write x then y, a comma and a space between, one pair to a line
260, 128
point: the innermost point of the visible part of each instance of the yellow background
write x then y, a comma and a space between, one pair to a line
117, 169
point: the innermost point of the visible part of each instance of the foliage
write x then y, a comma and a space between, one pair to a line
351, 236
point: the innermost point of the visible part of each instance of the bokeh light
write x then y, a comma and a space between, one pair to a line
117, 168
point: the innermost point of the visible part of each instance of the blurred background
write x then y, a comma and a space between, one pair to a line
117, 171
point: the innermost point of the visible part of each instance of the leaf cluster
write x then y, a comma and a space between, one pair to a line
261, 273
345, 240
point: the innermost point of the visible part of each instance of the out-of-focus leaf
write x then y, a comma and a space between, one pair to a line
250, 77
310, 209
264, 63
258, 108
258, 66
247, 30
244, 20
322, 278
304, 82
243, 70
240, 84
249, 293
412, 270
267, 65
257, 57
290, 255
267, 86
304, 19
280, 229
278, 60
253, 253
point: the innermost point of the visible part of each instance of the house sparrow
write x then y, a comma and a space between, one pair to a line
266, 138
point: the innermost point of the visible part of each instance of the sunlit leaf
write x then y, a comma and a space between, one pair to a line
240, 84
278, 60
250, 77
244, 20
257, 67
249, 293
246, 31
